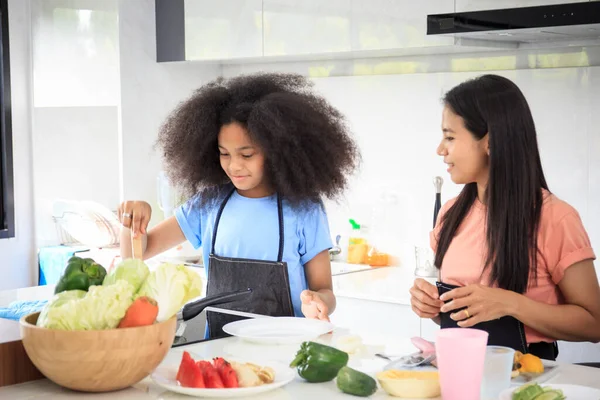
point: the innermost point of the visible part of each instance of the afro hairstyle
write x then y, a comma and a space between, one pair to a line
309, 151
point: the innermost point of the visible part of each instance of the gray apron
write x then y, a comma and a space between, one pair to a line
268, 280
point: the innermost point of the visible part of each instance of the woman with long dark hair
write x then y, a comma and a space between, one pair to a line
514, 260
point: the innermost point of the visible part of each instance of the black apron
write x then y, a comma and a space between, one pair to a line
268, 280
505, 331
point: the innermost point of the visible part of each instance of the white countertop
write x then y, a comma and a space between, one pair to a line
297, 389
31, 293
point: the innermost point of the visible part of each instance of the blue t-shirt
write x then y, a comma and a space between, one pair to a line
249, 228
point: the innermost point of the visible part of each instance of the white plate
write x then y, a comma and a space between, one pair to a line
164, 376
278, 330
571, 392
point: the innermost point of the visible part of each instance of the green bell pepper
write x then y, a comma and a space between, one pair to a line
318, 363
80, 274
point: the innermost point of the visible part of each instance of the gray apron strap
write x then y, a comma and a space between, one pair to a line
269, 281
281, 226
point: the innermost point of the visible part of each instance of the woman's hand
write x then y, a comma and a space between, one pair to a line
424, 299
135, 215
482, 304
313, 305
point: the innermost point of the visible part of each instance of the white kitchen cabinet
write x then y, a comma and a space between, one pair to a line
293, 27
395, 24
252, 30
372, 318
222, 30
478, 5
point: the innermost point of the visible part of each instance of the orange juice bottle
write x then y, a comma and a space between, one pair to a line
357, 245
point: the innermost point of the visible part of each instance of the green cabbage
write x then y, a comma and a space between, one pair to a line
172, 286
102, 307
132, 270
58, 301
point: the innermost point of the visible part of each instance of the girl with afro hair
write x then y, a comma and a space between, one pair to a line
257, 155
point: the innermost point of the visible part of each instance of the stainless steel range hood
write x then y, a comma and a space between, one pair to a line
574, 24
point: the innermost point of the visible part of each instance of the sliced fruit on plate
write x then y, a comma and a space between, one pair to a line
221, 374
526, 364
532, 364
212, 379
189, 374
226, 372
265, 374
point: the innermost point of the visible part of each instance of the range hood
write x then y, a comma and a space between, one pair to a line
574, 24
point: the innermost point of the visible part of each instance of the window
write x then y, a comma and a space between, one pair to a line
7, 208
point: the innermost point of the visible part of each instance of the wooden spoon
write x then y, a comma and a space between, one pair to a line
136, 247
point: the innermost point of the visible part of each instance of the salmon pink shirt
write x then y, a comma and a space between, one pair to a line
562, 241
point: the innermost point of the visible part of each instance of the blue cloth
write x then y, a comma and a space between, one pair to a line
249, 228
17, 309
53, 261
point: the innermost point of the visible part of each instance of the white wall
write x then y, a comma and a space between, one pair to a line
396, 119
393, 101
149, 91
75, 153
99, 98
75, 47
17, 255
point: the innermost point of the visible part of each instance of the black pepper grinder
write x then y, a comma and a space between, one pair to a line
437, 183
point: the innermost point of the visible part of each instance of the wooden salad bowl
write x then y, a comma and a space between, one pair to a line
100, 360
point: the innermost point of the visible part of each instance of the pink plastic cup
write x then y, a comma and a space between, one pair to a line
460, 354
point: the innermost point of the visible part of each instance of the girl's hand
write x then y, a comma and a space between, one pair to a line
313, 305
482, 304
136, 216
424, 299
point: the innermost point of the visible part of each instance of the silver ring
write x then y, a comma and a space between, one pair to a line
126, 215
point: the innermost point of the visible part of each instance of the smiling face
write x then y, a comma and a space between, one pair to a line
243, 161
467, 158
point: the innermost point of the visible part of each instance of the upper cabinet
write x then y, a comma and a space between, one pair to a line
314, 27
259, 30
293, 27
479, 5
220, 30
395, 24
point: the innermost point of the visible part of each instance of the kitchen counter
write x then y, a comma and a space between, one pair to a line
15, 366
9, 330
297, 389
